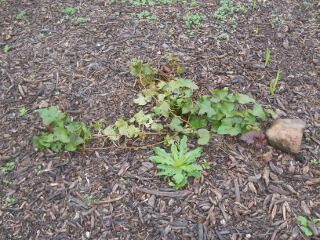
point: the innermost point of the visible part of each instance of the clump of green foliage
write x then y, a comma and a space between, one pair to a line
305, 225
222, 112
178, 165
68, 11
194, 19
7, 167
6, 48
82, 20
21, 15
227, 8
222, 36
63, 132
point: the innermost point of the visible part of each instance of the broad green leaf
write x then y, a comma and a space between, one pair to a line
149, 93
178, 177
195, 174
259, 112
227, 109
215, 126
161, 97
61, 134
192, 156
161, 84
111, 133
70, 147
175, 153
162, 153
228, 128
141, 118
168, 170
271, 112
161, 160
57, 146
243, 99
141, 100
225, 129
189, 107
163, 109
73, 127
183, 146
314, 221
22, 112
219, 95
205, 107
204, 136
136, 69
175, 125
120, 123
306, 231
198, 122
85, 130
157, 127
49, 138
48, 115
191, 168
187, 83
132, 131
36, 142
249, 118
302, 220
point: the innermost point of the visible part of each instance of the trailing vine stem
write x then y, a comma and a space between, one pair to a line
134, 148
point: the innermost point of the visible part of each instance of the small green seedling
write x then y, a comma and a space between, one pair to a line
21, 15
9, 200
6, 48
41, 35
273, 84
194, 20
82, 20
205, 165
32, 77
123, 180
305, 225
267, 57
314, 161
38, 168
178, 164
69, 11
23, 112
8, 182
88, 200
7, 167
222, 36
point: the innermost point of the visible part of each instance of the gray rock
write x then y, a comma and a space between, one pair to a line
286, 134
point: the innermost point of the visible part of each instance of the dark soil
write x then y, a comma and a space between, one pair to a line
249, 192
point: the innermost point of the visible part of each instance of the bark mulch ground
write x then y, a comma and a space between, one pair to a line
81, 66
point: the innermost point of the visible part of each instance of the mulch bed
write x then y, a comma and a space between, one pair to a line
248, 193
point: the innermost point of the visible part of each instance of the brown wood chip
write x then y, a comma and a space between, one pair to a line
177, 194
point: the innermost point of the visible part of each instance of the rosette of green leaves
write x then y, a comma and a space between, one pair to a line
178, 165
66, 134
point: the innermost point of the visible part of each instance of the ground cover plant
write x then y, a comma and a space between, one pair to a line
109, 188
